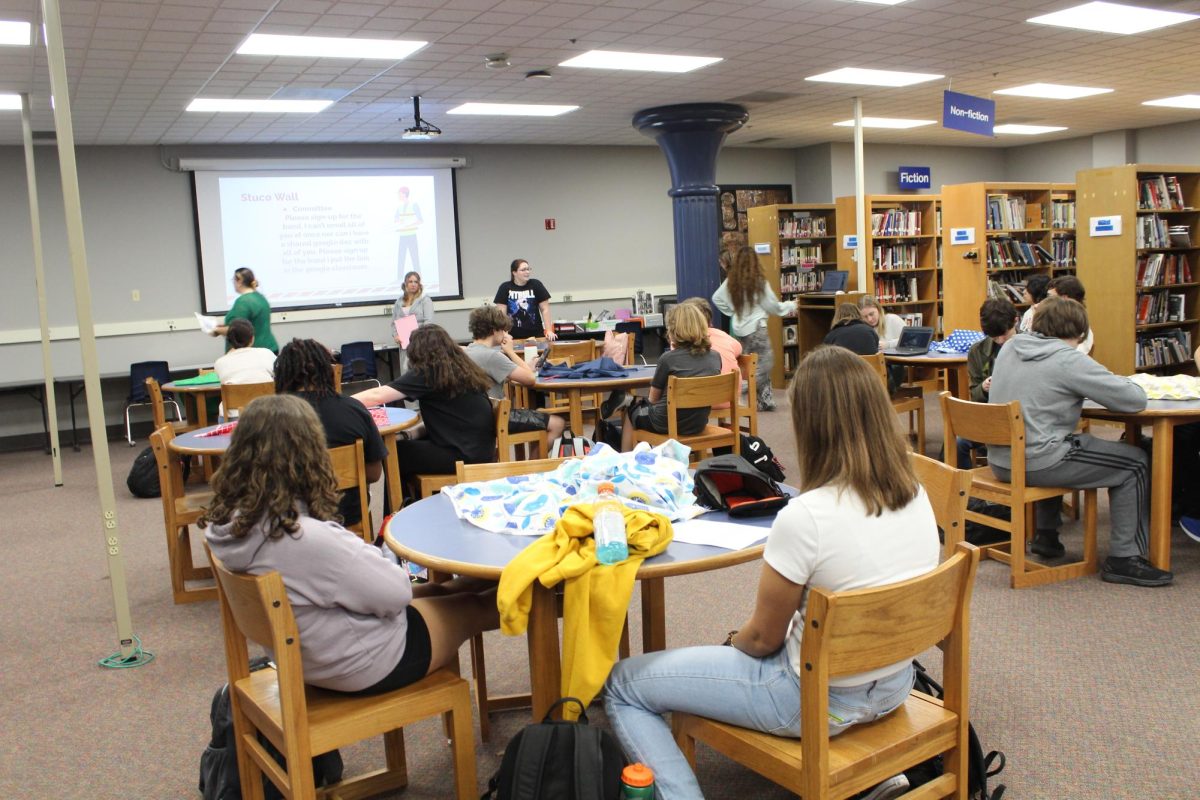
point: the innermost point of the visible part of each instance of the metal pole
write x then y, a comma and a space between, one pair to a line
860, 203
39, 274
65, 134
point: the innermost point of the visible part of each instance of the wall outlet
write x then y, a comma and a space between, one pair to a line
136, 295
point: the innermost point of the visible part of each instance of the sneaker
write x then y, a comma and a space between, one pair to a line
1135, 571
1047, 545
1191, 526
892, 787
614, 402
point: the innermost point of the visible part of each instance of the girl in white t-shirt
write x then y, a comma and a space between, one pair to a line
244, 363
861, 520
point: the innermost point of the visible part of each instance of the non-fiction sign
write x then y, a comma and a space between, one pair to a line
962, 236
915, 178
762, 248
964, 112
849, 241
1105, 226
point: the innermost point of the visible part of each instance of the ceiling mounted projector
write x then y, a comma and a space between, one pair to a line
421, 130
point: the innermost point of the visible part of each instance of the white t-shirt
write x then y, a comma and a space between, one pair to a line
246, 365
826, 539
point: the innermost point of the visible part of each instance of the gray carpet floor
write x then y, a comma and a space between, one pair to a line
1089, 688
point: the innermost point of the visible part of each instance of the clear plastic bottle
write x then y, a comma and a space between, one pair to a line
608, 523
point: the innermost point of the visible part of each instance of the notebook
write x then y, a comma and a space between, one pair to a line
914, 341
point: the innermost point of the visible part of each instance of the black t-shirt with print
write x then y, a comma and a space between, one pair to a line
524, 307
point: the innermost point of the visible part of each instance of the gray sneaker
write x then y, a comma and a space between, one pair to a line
892, 787
1135, 571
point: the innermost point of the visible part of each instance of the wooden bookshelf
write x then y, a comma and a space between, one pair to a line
1143, 266
1062, 229
802, 239
902, 272
1013, 240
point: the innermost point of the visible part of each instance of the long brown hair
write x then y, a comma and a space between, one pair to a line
688, 329
447, 369
275, 461
846, 431
745, 279
845, 313
405, 299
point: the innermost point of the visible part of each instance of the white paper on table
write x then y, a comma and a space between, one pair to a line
207, 324
729, 535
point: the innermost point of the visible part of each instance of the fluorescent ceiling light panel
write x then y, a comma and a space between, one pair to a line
10, 102
266, 44
258, 106
874, 77
1112, 18
1053, 91
511, 109
16, 33
1179, 101
885, 122
645, 62
1027, 130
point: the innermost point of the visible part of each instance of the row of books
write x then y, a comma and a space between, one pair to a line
1160, 191
1015, 253
1062, 214
1158, 307
1012, 292
1154, 231
1161, 349
895, 256
896, 222
802, 227
800, 256
795, 282
1008, 212
896, 290
1063, 252
913, 320
1163, 269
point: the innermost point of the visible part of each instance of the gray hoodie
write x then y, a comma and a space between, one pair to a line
348, 599
1051, 379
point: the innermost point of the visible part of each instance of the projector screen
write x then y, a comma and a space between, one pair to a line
326, 238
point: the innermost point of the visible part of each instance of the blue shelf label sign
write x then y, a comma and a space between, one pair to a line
915, 178
962, 236
963, 112
762, 248
849, 241
1104, 226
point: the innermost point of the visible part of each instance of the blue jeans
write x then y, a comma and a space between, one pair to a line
725, 684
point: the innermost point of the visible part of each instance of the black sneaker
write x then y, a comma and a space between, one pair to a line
612, 403
1047, 545
1134, 570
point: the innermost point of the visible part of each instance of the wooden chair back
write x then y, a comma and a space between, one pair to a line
470, 473
949, 489
337, 378
987, 423
748, 367
350, 471
236, 396
158, 409
879, 365
685, 393
180, 511
913, 406
581, 351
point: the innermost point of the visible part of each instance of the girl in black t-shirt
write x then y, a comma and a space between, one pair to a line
527, 302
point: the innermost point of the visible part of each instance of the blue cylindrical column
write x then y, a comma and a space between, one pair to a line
690, 136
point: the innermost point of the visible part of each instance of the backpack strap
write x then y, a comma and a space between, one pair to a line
530, 761
589, 763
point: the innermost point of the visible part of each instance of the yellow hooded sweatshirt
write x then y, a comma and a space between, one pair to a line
595, 599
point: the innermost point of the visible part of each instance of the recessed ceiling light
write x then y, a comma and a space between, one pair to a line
1178, 101
266, 44
10, 102
511, 109
1112, 18
874, 77
16, 33
646, 62
1053, 91
1027, 130
885, 122
253, 106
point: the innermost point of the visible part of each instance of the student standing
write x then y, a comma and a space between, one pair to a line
747, 299
526, 301
861, 520
850, 330
998, 320
1052, 378
252, 306
413, 303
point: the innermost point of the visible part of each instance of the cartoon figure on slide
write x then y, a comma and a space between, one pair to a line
407, 220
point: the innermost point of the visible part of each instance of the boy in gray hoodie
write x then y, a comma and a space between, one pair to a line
1051, 378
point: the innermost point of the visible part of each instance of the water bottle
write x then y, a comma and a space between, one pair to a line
637, 781
608, 523
530, 355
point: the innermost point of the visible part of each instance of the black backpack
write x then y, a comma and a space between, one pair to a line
556, 760
758, 453
731, 483
143, 475
979, 766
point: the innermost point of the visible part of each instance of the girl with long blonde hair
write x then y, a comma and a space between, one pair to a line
412, 303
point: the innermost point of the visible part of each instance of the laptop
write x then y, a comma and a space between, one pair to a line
833, 281
914, 341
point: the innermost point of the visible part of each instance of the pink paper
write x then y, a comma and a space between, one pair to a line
220, 430
404, 328
380, 417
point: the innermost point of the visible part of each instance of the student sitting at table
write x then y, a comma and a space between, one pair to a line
305, 369
851, 332
1072, 287
1036, 288
1052, 378
363, 627
861, 520
998, 320
492, 349
691, 356
887, 326
452, 391
243, 362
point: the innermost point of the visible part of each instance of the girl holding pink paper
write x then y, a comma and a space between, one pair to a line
413, 303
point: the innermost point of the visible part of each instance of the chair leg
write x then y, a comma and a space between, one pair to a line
397, 762
686, 744
1089, 530
128, 433
479, 670
921, 431
463, 742
623, 647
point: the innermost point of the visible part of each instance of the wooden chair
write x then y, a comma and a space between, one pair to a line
180, 511
350, 470
337, 378
236, 396
158, 409
747, 365
527, 445
995, 424
685, 393
851, 632
910, 405
578, 353
948, 489
432, 484
303, 721
581, 351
